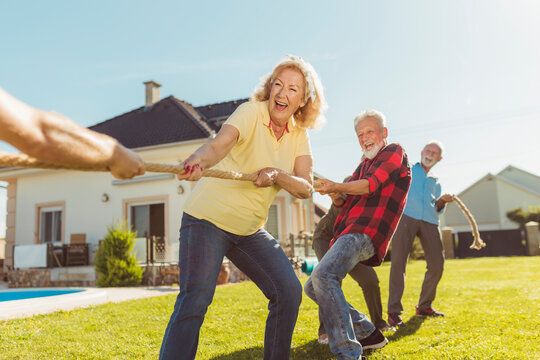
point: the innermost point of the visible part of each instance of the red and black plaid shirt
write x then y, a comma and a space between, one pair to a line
376, 214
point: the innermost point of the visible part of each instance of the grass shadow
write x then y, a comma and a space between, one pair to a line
311, 350
245, 354
411, 326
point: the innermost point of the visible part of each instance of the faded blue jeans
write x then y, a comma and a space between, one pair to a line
202, 248
343, 323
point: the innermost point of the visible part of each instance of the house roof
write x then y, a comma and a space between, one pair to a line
169, 120
319, 212
518, 185
500, 176
216, 114
512, 168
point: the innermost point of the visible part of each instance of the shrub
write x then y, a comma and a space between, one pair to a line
115, 263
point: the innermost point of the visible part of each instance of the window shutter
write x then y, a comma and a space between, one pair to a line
272, 223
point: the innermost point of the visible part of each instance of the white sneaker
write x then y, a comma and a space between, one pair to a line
323, 339
387, 328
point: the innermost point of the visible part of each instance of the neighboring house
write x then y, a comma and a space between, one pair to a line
491, 197
48, 206
319, 212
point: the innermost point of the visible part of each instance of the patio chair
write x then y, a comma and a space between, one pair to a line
55, 256
76, 252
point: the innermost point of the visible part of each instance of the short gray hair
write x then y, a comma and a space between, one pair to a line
436, 143
371, 114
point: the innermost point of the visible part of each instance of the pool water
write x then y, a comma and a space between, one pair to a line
8, 295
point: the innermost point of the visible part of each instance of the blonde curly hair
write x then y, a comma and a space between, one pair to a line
311, 114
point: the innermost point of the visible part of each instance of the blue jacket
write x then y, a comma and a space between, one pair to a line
424, 190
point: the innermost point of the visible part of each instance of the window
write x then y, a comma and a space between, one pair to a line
148, 220
50, 224
148, 216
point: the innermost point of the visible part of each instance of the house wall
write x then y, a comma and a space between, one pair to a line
482, 201
82, 193
511, 197
294, 215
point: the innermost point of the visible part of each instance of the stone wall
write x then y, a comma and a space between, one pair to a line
80, 276
235, 275
167, 274
84, 276
533, 238
160, 274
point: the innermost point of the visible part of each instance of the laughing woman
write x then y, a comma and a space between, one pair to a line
267, 136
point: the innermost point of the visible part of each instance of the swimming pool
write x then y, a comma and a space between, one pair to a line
17, 294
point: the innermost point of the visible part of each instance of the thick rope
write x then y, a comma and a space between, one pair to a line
478, 242
22, 160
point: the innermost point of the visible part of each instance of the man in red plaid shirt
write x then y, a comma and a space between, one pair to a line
371, 202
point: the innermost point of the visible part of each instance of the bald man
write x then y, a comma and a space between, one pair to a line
420, 217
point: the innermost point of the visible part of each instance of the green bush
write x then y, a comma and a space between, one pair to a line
115, 263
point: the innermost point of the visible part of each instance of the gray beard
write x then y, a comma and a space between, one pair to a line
427, 163
373, 152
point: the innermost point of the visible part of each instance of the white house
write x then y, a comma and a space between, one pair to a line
47, 206
491, 197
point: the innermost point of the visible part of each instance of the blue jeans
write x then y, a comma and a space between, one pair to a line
202, 248
343, 323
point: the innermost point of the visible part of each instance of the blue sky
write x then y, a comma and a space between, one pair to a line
464, 72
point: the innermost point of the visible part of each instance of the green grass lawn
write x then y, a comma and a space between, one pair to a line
492, 307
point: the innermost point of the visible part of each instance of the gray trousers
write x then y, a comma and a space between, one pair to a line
402, 241
365, 276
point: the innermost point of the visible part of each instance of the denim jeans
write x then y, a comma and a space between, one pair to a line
202, 248
364, 275
343, 323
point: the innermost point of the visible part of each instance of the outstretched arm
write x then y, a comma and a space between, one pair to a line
299, 184
357, 187
210, 153
54, 138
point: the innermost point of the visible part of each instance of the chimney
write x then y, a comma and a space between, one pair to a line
152, 92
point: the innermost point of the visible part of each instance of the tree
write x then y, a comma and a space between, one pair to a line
520, 216
115, 263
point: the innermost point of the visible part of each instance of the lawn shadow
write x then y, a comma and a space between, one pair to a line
411, 326
311, 350
245, 354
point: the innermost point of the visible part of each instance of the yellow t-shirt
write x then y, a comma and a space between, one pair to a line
237, 206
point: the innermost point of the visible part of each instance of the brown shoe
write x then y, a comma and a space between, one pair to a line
428, 312
395, 320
